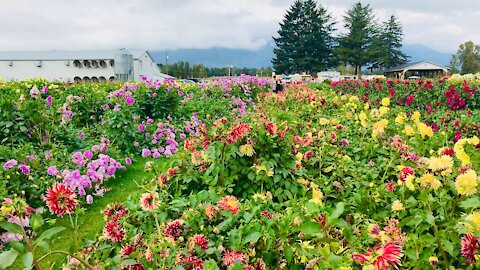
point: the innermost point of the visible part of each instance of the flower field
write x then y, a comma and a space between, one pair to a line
350, 175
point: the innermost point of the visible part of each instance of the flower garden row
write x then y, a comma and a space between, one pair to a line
372, 174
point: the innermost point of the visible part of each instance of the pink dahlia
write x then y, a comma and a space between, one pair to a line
198, 240
230, 257
174, 228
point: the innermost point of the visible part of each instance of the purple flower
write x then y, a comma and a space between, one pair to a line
81, 134
129, 100
48, 155
141, 127
116, 108
95, 148
180, 93
345, 142
52, 170
146, 152
25, 169
136, 144
154, 94
44, 89
156, 154
182, 136
149, 121
89, 199
128, 161
88, 155
10, 164
49, 100
103, 149
32, 157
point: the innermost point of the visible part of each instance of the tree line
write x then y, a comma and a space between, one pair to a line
184, 70
307, 40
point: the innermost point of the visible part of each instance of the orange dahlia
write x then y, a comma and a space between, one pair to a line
229, 203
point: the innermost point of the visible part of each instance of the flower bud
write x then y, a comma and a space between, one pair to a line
433, 261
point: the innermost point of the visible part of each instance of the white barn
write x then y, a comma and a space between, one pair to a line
79, 66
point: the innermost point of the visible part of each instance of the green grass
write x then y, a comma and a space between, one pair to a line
91, 222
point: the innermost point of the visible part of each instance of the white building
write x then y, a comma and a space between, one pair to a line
79, 66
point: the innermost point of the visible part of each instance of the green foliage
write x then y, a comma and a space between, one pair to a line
466, 59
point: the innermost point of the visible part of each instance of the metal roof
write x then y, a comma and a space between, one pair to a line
408, 65
67, 55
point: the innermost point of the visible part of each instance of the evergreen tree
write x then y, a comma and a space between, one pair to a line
304, 42
359, 46
391, 36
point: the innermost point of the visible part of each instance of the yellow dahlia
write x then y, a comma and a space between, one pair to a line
386, 102
408, 130
466, 183
397, 206
247, 150
440, 163
424, 130
473, 218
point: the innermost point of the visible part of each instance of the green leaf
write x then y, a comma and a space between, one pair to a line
338, 211
210, 265
253, 237
27, 260
430, 218
11, 227
36, 221
129, 262
7, 258
310, 228
18, 246
470, 203
288, 254
49, 233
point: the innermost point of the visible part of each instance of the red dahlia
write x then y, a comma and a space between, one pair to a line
238, 132
60, 200
174, 228
192, 263
113, 231
199, 240
382, 257
114, 211
469, 244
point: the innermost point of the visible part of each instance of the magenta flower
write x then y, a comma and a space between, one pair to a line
345, 142
141, 127
44, 89
10, 164
146, 152
25, 169
87, 155
48, 155
52, 170
49, 100
128, 161
130, 100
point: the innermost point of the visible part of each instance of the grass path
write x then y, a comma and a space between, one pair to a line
91, 222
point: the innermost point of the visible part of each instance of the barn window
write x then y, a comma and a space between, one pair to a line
103, 64
112, 63
111, 79
87, 64
77, 64
39, 63
86, 79
95, 79
77, 79
94, 63
102, 79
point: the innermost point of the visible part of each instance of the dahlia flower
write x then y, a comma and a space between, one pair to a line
113, 231
469, 246
60, 200
198, 240
381, 257
148, 201
466, 183
229, 203
174, 228
230, 257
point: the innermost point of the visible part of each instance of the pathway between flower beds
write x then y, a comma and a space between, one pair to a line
91, 221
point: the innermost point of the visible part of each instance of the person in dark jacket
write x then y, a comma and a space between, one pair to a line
278, 85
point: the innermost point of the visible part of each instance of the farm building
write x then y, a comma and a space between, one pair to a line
79, 66
417, 69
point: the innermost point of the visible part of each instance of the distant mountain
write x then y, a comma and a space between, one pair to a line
222, 57
219, 57
418, 52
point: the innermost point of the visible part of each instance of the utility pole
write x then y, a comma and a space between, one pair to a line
166, 63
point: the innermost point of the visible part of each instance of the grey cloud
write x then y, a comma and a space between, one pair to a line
171, 24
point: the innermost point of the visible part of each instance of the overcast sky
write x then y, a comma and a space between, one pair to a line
174, 24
